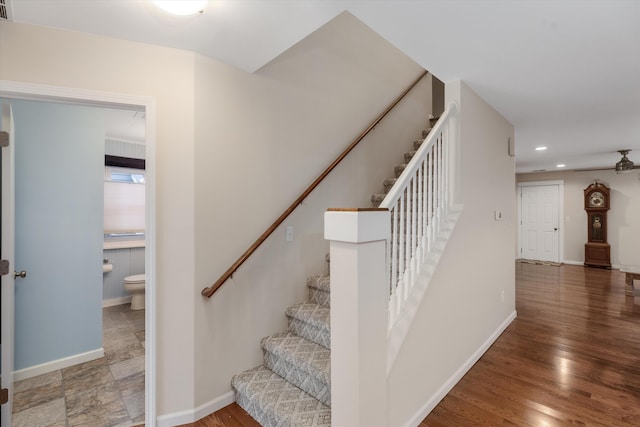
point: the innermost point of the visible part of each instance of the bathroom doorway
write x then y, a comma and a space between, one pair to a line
47, 95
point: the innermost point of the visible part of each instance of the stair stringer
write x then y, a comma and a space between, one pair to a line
398, 333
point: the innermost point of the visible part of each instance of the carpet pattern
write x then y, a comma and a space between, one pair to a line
319, 289
275, 402
310, 321
293, 386
300, 362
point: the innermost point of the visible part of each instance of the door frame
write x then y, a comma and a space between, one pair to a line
560, 184
56, 94
8, 245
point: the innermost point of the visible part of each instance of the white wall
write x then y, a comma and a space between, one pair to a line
623, 232
261, 139
464, 304
75, 60
268, 135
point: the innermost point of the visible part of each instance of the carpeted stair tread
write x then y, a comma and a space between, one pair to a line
274, 402
310, 321
301, 362
408, 156
376, 199
425, 132
318, 287
388, 184
397, 169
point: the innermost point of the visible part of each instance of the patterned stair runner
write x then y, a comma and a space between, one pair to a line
292, 388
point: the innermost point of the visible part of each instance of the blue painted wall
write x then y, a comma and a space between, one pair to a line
59, 221
126, 262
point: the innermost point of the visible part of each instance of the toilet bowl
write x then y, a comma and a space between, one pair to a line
135, 286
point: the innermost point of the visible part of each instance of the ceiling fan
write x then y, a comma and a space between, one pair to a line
623, 166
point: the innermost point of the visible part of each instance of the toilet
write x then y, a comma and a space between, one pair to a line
135, 286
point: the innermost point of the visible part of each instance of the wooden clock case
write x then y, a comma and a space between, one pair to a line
597, 252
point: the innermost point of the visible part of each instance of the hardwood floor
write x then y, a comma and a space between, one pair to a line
571, 357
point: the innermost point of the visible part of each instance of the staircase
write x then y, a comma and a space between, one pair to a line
292, 386
376, 199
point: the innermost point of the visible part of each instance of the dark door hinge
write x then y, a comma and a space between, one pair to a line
4, 139
4, 267
4, 396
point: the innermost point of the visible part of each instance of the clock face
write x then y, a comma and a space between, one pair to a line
596, 199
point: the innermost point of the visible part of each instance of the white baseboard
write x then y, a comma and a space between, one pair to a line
457, 376
116, 301
193, 415
54, 365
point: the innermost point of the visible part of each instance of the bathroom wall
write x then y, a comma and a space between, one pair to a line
125, 261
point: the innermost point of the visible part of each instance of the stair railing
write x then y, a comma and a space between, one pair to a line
209, 291
418, 203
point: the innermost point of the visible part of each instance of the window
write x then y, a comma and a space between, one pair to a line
124, 203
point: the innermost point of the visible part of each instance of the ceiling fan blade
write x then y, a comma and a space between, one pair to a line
594, 169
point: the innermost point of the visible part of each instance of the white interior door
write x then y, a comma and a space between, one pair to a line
7, 247
540, 223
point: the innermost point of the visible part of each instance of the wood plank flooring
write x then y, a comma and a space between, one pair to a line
571, 357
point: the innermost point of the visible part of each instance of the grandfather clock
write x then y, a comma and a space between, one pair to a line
597, 252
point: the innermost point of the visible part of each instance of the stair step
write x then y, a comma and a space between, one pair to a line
274, 402
310, 321
376, 199
388, 183
319, 290
408, 156
425, 132
397, 169
301, 362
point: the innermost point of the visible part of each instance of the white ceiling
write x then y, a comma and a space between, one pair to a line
125, 125
566, 73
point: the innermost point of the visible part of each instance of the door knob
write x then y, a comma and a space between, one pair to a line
22, 274
555, 228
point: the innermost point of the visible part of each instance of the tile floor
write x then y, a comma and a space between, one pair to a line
104, 392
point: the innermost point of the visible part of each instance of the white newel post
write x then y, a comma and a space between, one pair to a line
359, 298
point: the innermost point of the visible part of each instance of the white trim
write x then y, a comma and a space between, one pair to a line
398, 333
38, 92
124, 244
357, 226
116, 301
54, 365
561, 222
569, 262
193, 415
457, 376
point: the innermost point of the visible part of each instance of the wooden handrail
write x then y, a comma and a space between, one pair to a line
209, 291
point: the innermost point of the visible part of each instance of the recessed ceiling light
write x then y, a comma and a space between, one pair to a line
541, 148
561, 165
181, 7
